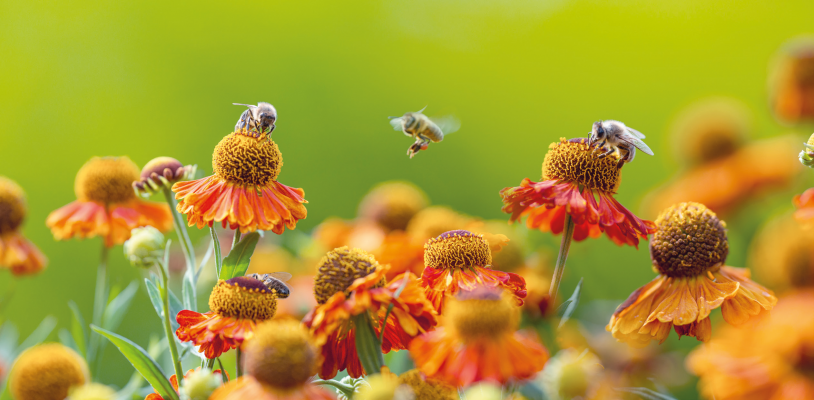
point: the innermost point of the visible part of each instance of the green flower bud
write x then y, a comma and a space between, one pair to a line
807, 155
145, 247
200, 384
484, 391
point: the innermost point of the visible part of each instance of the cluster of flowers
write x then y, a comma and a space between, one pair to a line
446, 288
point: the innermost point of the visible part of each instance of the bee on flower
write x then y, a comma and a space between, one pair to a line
16, 252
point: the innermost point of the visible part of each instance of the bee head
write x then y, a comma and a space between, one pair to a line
597, 132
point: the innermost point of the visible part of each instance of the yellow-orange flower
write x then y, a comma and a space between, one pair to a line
573, 178
460, 261
243, 193
106, 204
351, 282
16, 252
477, 341
392, 204
279, 362
47, 372
771, 361
236, 305
791, 82
782, 254
689, 251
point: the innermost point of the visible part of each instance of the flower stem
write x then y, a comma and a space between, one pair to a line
183, 237
567, 235
209, 363
236, 239
165, 299
239, 363
345, 389
99, 303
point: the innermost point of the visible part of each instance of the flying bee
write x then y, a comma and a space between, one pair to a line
275, 281
423, 129
614, 136
257, 118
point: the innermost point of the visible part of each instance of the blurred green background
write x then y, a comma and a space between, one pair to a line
152, 78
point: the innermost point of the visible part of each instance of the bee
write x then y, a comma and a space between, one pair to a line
423, 129
614, 136
262, 117
275, 281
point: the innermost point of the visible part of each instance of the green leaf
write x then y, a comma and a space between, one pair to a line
646, 393
40, 333
216, 244
67, 340
78, 331
237, 262
8, 337
571, 304
117, 308
188, 292
142, 362
155, 298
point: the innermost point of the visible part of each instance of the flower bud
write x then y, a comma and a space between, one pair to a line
199, 384
145, 247
807, 155
161, 173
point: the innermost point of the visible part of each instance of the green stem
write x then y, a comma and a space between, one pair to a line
236, 239
99, 303
345, 389
239, 362
165, 298
183, 237
567, 235
224, 377
368, 347
210, 363
216, 245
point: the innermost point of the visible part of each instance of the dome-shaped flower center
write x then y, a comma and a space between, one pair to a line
691, 239
339, 268
574, 161
281, 354
427, 388
247, 160
393, 204
482, 313
12, 205
106, 180
47, 372
244, 298
457, 249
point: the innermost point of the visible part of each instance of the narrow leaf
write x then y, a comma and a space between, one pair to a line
78, 330
216, 244
237, 262
67, 340
8, 337
646, 393
142, 362
573, 302
155, 298
40, 333
117, 309
188, 292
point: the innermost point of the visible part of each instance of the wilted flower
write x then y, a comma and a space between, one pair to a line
47, 372
160, 174
145, 247
236, 305
243, 193
16, 252
106, 204
574, 176
689, 251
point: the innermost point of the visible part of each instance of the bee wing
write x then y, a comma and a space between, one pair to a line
283, 276
638, 143
448, 124
635, 132
396, 123
247, 105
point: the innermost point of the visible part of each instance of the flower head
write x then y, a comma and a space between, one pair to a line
92, 391
571, 375
195, 383
350, 282
243, 193
427, 389
392, 204
770, 361
709, 130
47, 372
106, 204
792, 81
279, 362
236, 305
574, 176
460, 261
384, 386
145, 247
16, 252
781, 254
161, 173
689, 252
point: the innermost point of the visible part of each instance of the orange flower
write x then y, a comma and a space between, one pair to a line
243, 193
174, 383
106, 204
279, 362
16, 252
781, 254
351, 282
460, 260
237, 305
805, 207
402, 254
477, 341
573, 178
792, 81
392, 204
689, 251
771, 361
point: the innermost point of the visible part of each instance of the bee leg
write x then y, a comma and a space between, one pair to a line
598, 145
605, 154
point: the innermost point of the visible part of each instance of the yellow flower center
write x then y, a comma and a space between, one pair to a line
393, 204
691, 240
106, 180
457, 249
427, 389
244, 298
47, 372
483, 313
281, 354
12, 205
574, 161
339, 268
247, 160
